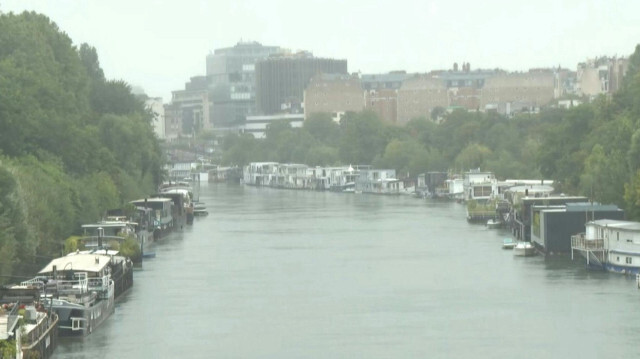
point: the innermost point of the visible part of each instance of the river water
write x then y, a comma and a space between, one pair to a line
295, 274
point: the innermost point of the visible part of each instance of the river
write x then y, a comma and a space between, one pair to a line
295, 274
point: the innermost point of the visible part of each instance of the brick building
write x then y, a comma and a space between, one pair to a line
333, 93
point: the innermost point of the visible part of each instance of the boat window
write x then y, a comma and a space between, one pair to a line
76, 324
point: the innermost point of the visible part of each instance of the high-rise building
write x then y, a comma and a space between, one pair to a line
281, 80
231, 81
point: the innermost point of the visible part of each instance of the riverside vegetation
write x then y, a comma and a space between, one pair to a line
72, 143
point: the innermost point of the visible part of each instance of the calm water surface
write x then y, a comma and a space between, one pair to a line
293, 274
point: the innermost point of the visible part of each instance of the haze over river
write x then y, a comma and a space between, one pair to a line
296, 274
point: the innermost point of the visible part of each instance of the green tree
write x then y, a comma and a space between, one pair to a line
473, 156
323, 129
407, 157
362, 138
604, 176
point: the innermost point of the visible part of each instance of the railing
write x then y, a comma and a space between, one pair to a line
98, 284
36, 282
74, 286
579, 241
92, 241
12, 317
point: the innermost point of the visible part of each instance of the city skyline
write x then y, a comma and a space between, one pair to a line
159, 46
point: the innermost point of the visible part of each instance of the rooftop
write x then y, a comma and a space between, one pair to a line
617, 224
78, 262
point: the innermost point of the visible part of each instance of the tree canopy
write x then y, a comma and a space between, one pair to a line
73, 144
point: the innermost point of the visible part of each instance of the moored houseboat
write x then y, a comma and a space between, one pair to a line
183, 202
33, 330
378, 181
80, 288
613, 245
162, 221
115, 233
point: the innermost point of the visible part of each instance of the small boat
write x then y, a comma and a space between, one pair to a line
508, 243
494, 223
200, 209
524, 249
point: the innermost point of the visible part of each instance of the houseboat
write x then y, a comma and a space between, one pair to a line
183, 202
452, 189
113, 233
553, 225
79, 289
343, 179
479, 185
33, 330
260, 173
613, 245
162, 221
378, 181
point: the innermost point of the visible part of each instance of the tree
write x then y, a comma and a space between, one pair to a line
363, 138
437, 112
473, 156
407, 157
632, 197
323, 129
242, 150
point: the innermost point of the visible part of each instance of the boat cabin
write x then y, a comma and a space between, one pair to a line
618, 241
162, 213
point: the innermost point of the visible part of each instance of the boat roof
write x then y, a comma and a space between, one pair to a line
103, 251
175, 190
109, 224
152, 199
617, 224
78, 262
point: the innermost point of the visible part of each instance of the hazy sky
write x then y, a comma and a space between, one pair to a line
158, 45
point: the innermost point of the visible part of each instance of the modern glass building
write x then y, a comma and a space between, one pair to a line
231, 78
281, 80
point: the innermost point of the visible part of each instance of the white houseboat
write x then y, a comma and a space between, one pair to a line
610, 244
453, 189
183, 199
260, 173
378, 181
292, 176
479, 185
80, 289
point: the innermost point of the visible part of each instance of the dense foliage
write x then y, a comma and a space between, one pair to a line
592, 149
72, 143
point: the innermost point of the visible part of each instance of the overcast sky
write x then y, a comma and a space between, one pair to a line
159, 45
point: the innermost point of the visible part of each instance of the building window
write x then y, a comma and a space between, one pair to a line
617, 259
628, 261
